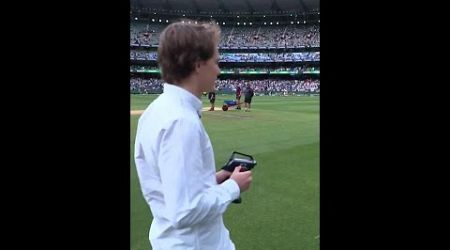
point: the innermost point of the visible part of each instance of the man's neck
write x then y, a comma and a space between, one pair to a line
192, 86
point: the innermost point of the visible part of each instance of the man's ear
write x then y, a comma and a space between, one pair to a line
197, 66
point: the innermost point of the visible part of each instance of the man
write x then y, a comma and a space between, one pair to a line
212, 99
238, 96
248, 95
173, 153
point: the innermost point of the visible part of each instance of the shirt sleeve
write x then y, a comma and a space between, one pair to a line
180, 161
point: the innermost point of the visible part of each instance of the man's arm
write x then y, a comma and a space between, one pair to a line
186, 200
222, 175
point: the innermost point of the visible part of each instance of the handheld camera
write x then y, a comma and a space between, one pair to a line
247, 163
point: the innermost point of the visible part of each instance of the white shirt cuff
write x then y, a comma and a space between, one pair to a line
232, 188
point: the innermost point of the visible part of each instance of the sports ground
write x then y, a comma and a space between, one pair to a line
281, 209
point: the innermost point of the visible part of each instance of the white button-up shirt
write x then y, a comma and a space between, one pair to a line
176, 168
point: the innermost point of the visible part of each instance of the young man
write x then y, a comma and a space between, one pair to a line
173, 154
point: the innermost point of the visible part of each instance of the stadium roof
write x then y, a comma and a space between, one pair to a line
251, 6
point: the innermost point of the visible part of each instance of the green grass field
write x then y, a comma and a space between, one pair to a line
281, 209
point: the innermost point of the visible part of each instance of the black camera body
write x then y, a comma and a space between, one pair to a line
247, 163
233, 162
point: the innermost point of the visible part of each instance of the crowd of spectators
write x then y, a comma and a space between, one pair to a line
242, 57
240, 70
261, 87
241, 36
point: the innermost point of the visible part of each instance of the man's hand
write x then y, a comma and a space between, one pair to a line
243, 179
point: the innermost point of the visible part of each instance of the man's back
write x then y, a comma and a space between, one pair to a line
248, 92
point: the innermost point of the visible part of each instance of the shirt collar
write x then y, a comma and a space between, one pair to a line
186, 96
